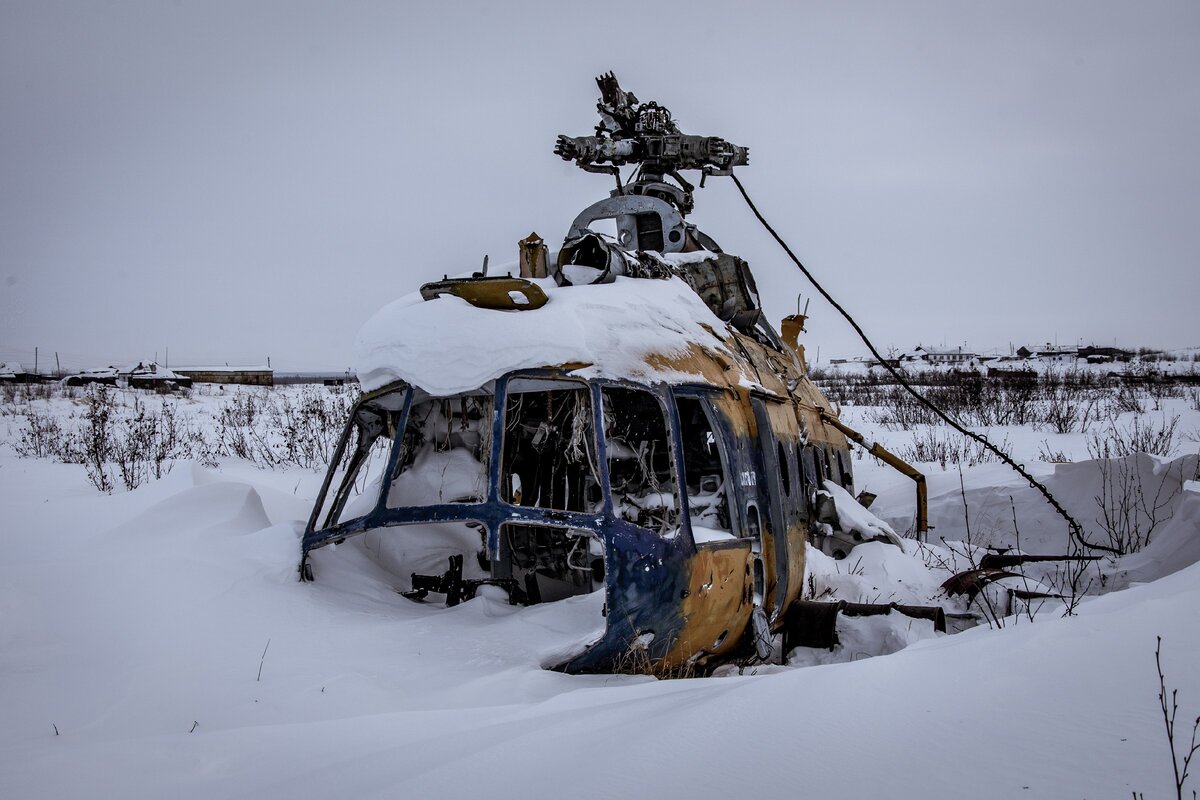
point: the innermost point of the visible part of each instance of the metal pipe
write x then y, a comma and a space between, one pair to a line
895, 462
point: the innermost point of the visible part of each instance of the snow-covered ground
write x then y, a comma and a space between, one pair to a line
157, 643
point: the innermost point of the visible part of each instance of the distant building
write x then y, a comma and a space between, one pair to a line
249, 376
13, 372
142, 375
956, 357
333, 378
1049, 352
149, 375
106, 376
1104, 355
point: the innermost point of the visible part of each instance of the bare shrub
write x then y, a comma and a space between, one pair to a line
311, 425
285, 429
1180, 762
947, 447
42, 436
12, 394
898, 410
122, 439
1127, 400
148, 443
1128, 513
92, 445
1050, 455
1066, 406
1140, 436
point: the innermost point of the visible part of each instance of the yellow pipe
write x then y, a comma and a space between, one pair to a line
895, 462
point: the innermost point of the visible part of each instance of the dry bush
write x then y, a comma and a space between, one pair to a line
946, 447
1140, 436
123, 440
1130, 505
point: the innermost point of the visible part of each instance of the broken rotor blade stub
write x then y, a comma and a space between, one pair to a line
497, 294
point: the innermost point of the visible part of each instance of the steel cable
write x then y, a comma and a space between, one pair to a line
1076, 531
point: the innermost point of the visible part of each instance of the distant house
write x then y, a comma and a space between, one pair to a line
1049, 352
142, 375
245, 375
151, 376
106, 376
13, 372
952, 358
1104, 355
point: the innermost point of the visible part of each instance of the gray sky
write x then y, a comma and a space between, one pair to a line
237, 180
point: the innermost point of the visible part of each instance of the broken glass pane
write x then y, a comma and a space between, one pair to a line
549, 446
444, 452
353, 488
640, 467
705, 476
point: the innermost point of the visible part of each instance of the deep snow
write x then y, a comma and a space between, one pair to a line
136, 624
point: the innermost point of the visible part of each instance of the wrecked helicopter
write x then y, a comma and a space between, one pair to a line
618, 417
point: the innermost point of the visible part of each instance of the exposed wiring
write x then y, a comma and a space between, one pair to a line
1076, 531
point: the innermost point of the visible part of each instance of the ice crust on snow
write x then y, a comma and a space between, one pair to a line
446, 345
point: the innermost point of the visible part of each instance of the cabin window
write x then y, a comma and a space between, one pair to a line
359, 463
640, 467
810, 464
549, 456
846, 469
785, 477
705, 473
444, 452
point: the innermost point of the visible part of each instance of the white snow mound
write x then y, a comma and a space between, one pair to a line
446, 345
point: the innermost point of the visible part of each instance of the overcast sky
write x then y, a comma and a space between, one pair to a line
238, 180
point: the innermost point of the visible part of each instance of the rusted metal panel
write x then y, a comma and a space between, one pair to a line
533, 255
716, 608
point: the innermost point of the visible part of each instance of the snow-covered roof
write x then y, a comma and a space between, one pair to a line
148, 369
446, 346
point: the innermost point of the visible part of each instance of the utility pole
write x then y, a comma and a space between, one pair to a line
35, 359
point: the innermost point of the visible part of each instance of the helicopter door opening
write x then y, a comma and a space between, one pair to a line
775, 492
548, 461
705, 473
641, 469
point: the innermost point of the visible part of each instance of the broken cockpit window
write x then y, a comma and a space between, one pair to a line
351, 489
444, 452
706, 475
640, 467
549, 456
